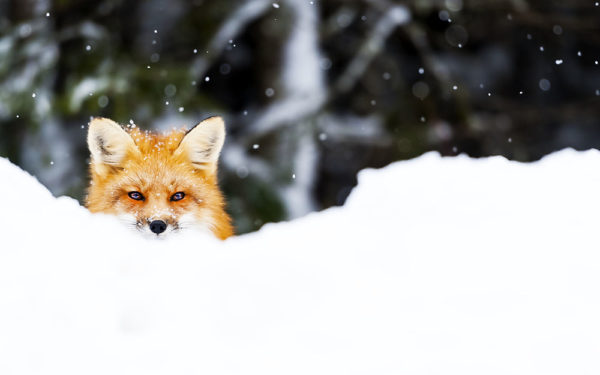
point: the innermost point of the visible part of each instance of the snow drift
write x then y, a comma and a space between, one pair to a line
434, 265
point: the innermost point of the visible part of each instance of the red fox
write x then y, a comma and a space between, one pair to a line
155, 183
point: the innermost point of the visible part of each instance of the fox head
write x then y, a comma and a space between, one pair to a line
158, 183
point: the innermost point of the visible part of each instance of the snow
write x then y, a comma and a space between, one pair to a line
303, 90
434, 265
83, 90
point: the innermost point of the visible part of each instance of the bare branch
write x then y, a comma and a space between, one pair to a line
234, 25
371, 47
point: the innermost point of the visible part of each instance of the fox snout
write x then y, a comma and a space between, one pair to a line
158, 226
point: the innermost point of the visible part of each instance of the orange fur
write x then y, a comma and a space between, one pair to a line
154, 167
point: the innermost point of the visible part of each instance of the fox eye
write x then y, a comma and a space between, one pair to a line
136, 195
177, 196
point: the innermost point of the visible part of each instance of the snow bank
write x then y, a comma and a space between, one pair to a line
435, 265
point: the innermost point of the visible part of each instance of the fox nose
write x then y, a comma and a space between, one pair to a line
158, 226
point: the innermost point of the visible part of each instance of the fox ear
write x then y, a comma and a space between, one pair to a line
108, 142
202, 144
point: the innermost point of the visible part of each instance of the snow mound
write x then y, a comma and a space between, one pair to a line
434, 265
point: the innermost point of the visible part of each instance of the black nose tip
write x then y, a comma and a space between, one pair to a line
158, 226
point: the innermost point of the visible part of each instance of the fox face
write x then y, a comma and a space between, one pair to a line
158, 184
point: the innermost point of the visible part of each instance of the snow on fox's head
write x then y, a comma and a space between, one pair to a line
158, 183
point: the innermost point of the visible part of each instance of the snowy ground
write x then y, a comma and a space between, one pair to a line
434, 266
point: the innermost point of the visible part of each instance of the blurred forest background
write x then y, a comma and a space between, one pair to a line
312, 91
